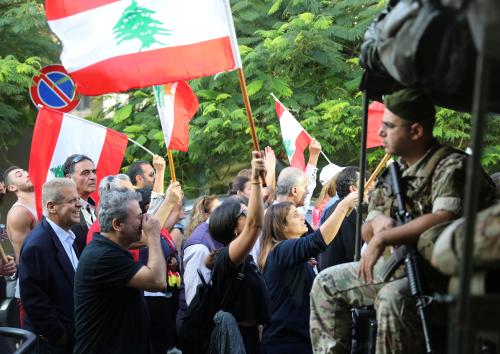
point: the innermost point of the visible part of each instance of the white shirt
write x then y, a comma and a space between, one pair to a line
67, 238
193, 258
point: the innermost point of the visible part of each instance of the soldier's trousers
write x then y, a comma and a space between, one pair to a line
338, 289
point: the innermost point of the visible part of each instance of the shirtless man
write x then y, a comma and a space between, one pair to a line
22, 216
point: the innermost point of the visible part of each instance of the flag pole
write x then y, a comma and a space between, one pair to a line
248, 109
141, 146
322, 153
171, 165
375, 173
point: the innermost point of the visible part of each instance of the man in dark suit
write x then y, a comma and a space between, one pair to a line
47, 269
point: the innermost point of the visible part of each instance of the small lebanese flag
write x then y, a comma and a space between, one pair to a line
116, 45
58, 135
295, 138
176, 105
375, 114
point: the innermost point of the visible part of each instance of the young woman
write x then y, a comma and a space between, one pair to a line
234, 274
289, 277
202, 208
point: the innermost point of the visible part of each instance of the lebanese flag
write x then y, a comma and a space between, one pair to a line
58, 135
295, 138
116, 45
176, 105
375, 114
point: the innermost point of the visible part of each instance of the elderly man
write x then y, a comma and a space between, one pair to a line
22, 216
110, 313
47, 269
81, 169
432, 179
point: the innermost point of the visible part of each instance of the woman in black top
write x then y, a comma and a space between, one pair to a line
237, 229
289, 276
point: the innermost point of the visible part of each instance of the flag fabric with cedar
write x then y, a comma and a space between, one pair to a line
116, 45
375, 114
176, 105
58, 135
295, 138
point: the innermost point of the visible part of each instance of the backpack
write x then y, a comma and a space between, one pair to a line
197, 323
424, 44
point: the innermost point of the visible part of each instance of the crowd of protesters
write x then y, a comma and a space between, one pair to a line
120, 275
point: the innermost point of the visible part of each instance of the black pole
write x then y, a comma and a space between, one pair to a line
362, 172
463, 339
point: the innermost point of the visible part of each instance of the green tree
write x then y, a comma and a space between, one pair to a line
303, 51
26, 45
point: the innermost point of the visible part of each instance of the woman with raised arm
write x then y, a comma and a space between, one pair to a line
234, 274
289, 276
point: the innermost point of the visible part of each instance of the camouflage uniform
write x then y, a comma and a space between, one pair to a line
448, 249
435, 182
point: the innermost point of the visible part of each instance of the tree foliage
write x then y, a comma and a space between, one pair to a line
303, 51
26, 45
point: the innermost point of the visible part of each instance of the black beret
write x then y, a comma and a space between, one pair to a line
412, 105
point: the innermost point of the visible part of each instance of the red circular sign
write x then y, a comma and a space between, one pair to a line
54, 88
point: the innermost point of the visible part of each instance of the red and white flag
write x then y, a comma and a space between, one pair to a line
295, 138
375, 114
58, 135
176, 105
116, 45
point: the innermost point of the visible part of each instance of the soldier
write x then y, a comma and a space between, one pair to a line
432, 178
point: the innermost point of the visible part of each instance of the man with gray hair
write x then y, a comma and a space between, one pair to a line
109, 284
47, 269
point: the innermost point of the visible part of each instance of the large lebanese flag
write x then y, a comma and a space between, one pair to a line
176, 105
375, 115
58, 135
116, 45
295, 138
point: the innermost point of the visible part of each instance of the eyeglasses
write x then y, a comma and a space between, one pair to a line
389, 125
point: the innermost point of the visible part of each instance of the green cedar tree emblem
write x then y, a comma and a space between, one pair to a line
136, 23
288, 147
58, 171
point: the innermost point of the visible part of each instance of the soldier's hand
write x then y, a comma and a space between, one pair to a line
382, 223
150, 226
158, 163
369, 259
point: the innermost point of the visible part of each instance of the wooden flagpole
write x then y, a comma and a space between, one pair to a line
171, 165
248, 109
375, 173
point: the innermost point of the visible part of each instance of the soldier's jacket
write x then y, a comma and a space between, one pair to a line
447, 253
435, 182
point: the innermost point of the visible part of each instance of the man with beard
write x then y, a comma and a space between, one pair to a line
47, 269
110, 313
22, 216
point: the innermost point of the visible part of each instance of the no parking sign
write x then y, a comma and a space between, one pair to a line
54, 88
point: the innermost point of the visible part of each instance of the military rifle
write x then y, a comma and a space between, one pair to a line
406, 253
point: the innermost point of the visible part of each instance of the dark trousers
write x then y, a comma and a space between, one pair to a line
251, 339
162, 312
42, 346
292, 347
